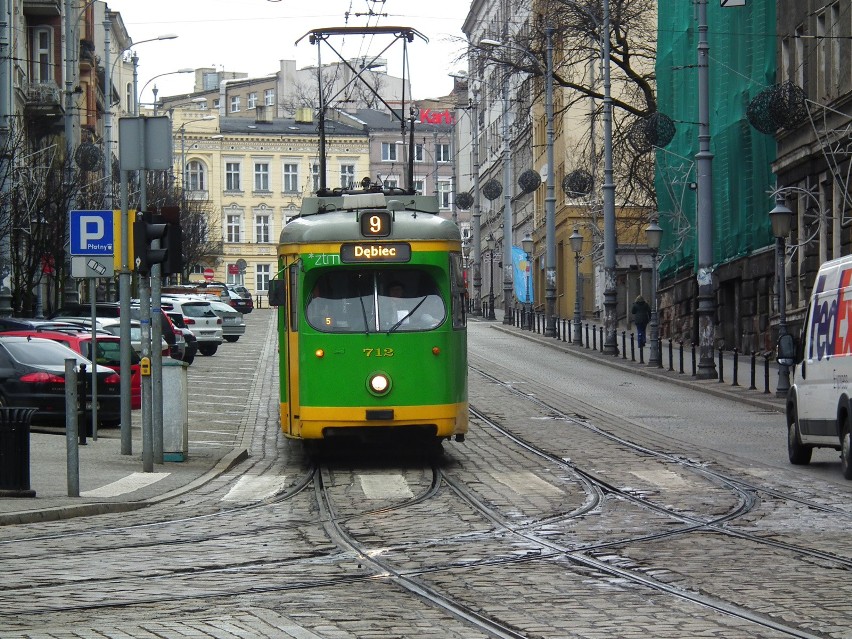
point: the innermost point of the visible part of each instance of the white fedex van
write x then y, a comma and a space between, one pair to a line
819, 405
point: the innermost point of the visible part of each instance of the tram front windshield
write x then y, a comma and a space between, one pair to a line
368, 301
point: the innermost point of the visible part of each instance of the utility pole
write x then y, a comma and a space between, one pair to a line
5, 163
704, 169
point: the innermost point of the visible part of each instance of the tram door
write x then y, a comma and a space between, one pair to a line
291, 427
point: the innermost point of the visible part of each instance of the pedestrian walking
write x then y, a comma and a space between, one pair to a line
641, 316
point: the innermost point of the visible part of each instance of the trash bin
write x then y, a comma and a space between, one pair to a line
15, 452
175, 411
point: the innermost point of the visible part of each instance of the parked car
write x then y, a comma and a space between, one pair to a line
112, 325
188, 336
32, 374
240, 300
26, 323
82, 312
107, 352
199, 317
233, 326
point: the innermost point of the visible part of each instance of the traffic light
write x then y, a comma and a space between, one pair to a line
145, 232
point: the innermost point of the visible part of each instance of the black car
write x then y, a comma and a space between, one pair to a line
32, 374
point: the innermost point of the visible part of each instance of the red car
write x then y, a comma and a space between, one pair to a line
108, 353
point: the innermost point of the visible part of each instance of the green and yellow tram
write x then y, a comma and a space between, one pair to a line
371, 320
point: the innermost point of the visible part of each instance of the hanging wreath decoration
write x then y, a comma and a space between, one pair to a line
578, 183
464, 201
657, 130
88, 157
492, 189
529, 181
782, 106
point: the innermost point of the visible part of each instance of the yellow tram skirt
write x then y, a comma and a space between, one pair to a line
449, 419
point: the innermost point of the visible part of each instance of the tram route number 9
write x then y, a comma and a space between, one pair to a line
375, 224
378, 352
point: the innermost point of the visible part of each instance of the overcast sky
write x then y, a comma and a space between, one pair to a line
253, 35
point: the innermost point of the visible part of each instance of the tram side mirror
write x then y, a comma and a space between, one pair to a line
276, 293
786, 350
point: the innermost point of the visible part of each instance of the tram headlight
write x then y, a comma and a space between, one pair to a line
379, 383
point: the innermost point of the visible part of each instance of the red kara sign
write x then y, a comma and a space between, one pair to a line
428, 116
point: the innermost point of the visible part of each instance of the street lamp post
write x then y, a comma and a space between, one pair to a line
527, 244
654, 235
781, 218
576, 246
492, 243
160, 75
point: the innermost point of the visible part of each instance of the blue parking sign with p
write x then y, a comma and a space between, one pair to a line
92, 233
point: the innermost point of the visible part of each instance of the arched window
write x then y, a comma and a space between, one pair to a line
195, 178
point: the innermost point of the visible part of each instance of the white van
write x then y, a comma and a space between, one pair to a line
819, 405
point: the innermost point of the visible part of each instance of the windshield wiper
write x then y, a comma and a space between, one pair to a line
407, 315
364, 315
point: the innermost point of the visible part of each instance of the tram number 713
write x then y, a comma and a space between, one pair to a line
378, 352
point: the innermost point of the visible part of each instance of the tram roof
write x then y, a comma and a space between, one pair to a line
330, 219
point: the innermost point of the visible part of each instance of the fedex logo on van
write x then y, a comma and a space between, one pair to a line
831, 320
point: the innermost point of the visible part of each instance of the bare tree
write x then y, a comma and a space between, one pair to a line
577, 40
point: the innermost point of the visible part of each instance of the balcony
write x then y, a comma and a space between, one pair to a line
43, 99
42, 7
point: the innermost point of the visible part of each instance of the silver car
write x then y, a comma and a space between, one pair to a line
233, 326
199, 317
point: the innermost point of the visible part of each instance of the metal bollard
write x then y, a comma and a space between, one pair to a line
566, 324
587, 335
753, 372
694, 363
602, 339
671, 355
72, 452
623, 344
594, 338
641, 354
721, 367
82, 395
680, 342
736, 367
766, 374
632, 349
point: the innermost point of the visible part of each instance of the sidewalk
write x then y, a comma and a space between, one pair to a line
741, 392
112, 482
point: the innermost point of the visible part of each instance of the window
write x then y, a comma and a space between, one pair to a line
42, 43
347, 175
252, 100
201, 105
391, 182
269, 97
232, 176
388, 152
401, 300
261, 176
291, 177
216, 103
315, 176
418, 152
233, 226
195, 177
235, 103
129, 100
419, 185
261, 228
261, 277
442, 153
445, 194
